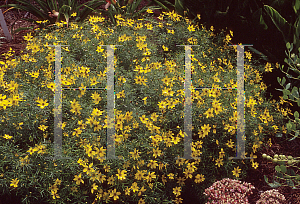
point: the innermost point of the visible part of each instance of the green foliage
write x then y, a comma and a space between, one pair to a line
129, 8
149, 112
291, 93
66, 8
285, 175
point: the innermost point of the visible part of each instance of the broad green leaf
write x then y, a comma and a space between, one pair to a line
283, 169
292, 46
296, 7
279, 175
279, 80
283, 81
296, 114
292, 97
290, 182
277, 168
286, 92
281, 24
266, 179
295, 92
274, 185
288, 86
291, 172
288, 45
289, 125
257, 17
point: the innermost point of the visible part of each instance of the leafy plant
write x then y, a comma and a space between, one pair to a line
289, 92
129, 8
285, 173
149, 72
43, 9
289, 31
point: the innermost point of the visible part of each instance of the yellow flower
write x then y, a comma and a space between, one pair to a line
74, 14
199, 178
139, 175
42, 127
6, 136
176, 191
191, 28
156, 152
57, 182
236, 171
28, 37
115, 194
268, 67
153, 164
78, 179
121, 174
219, 162
14, 183
230, 144
141, 201
254, 165
171, 176
135, 154
134, 187
165, 48
42, 103
94, 187
149, 11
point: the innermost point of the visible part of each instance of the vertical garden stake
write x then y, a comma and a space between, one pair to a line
4, 26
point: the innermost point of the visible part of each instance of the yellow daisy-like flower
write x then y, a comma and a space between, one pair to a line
254, 165
176, 191
74, 14
7, 137
42, 103
121, 174
191, 28
236, 171
149, 11
165, 48
14, 183
268, 67
199, 178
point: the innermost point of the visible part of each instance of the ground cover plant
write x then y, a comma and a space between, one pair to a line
149, 90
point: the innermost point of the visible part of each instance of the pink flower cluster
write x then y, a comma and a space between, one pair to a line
229, 191
272, 197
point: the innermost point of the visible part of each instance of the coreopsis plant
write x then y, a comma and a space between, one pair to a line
148, 105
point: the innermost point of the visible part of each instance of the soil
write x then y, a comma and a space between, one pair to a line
255, 176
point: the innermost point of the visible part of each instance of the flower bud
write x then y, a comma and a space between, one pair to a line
276, 156
290, 157
269, 158
275, 160
293, 56
290, 162
264, 156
